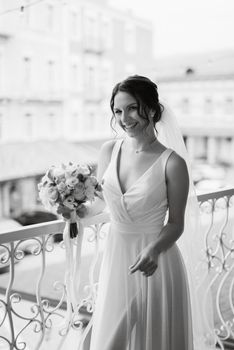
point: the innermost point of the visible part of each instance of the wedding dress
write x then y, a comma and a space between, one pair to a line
133, 312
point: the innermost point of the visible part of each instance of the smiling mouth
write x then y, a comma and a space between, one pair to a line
129, 126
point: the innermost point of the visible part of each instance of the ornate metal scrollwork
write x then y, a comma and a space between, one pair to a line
219, 247
41, 316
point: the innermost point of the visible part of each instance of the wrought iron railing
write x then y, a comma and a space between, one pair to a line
32, 328
217, 221
33, 294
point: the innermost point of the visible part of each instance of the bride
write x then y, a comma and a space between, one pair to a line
144, 301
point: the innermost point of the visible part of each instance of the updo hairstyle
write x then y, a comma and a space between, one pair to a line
145, 93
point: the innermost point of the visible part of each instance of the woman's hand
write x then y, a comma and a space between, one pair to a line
146, 262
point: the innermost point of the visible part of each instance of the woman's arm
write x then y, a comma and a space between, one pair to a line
98, 205
177, 193
177, 180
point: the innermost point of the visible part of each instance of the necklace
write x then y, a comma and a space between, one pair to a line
146, 147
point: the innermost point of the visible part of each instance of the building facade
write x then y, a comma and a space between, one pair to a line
58, 64
202, 97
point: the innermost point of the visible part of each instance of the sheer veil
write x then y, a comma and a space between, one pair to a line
191, 243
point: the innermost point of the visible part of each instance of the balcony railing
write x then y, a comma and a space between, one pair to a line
33, 294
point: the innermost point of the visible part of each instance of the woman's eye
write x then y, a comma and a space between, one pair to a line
117, 112
133, 107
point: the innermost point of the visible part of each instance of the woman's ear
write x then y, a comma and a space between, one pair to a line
151, 113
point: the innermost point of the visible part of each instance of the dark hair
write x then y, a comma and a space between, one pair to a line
145, 92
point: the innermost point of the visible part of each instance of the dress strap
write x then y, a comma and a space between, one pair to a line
115, 149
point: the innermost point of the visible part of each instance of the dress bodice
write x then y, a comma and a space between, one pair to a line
133, 311
144, 204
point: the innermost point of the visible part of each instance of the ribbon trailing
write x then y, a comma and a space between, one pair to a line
72, 273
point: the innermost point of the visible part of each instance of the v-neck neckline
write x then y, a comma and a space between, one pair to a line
140, 177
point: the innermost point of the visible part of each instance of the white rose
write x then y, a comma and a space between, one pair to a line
58, 172
71, 171
55, 174
91, 181
71, 181
83, 169
79, 191
46, 180
89, 192
53, 193
62, 187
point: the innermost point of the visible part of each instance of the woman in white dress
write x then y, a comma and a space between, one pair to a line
143, 298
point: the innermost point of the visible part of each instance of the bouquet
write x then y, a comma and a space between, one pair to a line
66, 188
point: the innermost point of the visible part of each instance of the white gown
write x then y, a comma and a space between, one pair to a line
134, 312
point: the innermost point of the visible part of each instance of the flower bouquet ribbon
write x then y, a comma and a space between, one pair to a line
73, 263
65, 190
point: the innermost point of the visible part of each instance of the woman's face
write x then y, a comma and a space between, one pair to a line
126, 113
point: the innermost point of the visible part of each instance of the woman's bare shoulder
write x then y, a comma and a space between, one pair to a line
176, 165
106, 149
105, 157
107, 146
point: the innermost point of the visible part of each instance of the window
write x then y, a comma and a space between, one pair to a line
229, 105
91, 32
106, 34
185, 105
91, 122
28, 125
27, 12
90, 77
51, 121
1, 71
1, 126
90, 26
208, 105
27, 71
51, 74
50, 17
106, 81
130, 39
52, 125
74, 23
74, 76
74, 123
